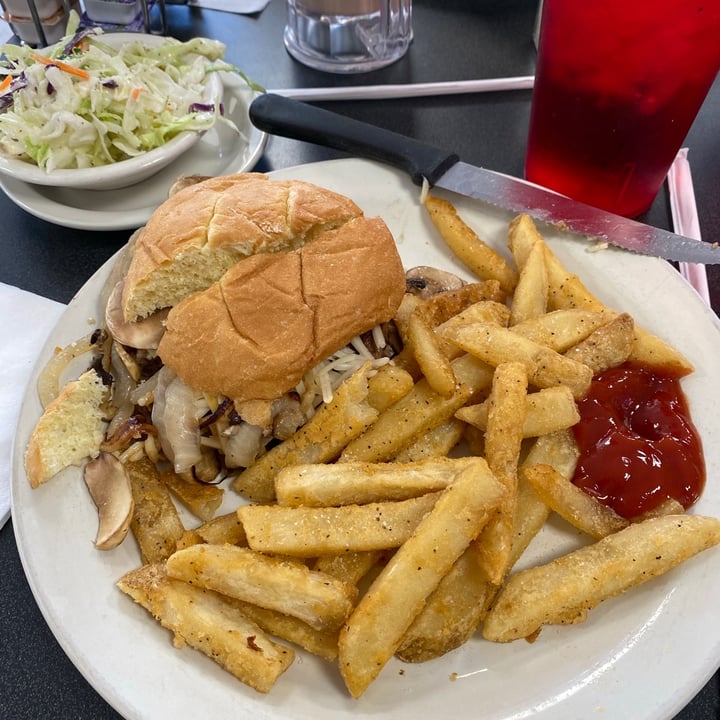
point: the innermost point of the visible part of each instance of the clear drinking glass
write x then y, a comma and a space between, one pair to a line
617, 87
348, 36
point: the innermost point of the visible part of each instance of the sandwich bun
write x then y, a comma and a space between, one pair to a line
202, 230
272, 317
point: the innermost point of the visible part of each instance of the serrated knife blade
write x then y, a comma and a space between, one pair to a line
301, 121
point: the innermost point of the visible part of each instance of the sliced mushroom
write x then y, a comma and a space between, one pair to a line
109, 486
143, 334
427, 281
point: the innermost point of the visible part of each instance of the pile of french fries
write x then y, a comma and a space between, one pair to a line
390, 524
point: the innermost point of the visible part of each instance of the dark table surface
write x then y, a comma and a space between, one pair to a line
454, 40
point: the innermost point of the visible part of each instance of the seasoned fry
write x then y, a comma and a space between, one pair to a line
350, 567
222, 529
451, 615
309, 532
201, 499
560, 330
444, 306
531, 512
608, 346
545, 368
211, 624
387, 386
375, 629
482, 311
320, 440
320, 600
546, 412
436, 442
522, 236
530, 297
566, 290
558, 449
357, 483
416, 413
324, 644
403, 313
478, 256
425, 346
503, 439
666, 507
156, 524
586, 513
580, 580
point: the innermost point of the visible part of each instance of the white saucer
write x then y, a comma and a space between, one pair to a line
221, 151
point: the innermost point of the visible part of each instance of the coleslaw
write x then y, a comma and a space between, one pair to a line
83, 103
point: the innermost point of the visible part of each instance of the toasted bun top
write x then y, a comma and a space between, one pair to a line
271, 318
192, 239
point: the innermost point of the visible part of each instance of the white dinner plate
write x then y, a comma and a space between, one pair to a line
639, 656
220, 151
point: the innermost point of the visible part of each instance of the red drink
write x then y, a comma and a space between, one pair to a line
617, 87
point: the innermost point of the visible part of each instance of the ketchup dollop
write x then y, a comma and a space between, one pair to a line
638, 445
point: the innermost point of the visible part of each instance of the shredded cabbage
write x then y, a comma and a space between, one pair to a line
100, 104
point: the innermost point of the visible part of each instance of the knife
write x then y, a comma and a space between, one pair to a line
298, 120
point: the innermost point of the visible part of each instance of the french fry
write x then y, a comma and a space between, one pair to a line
416, 413
440, 308
560, 330
402, 315
320, 600
558, 449
222, 529
432, 354
307, 532
436, 442
531, 513
608, 346
451, 615
425, 346
666, 507
566, 290
387, 386
201, 499
156, 524
211, 624
522, 236
582, 579
482, 311
503, 439
546, 411
357, 483
321, 643
531, 292
375, 629
320, 440
457, 607
545, 368
188, 538
478, 256
581, 510
350, 567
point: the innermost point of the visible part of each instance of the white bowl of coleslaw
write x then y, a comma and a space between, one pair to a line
110, 112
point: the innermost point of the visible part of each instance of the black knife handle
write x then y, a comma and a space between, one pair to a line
279, 115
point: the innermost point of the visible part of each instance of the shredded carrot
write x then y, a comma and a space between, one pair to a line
137, 92
5, 84
70, 69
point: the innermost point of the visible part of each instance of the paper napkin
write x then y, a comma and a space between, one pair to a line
27, 320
